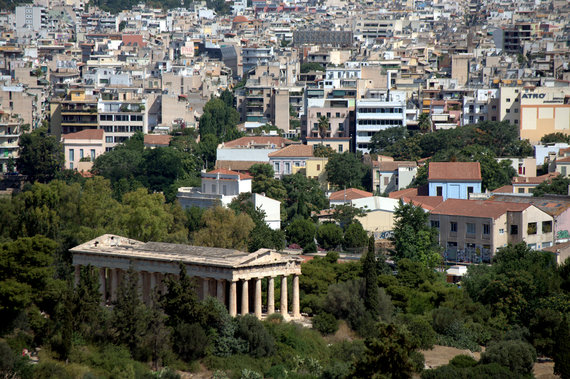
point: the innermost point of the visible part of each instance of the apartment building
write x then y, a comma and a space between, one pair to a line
544, 110
388, 176
30, 18
120, 119
10, 131
76, 112
289, 159
473, 230
373, 115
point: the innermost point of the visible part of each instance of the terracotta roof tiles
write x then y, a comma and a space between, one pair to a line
157, 139
349, 194
85, 134
454, 171
477, 208
301, 151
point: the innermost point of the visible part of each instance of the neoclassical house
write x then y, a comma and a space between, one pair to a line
226, 274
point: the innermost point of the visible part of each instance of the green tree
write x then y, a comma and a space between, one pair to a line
223, 228
413, 238
370, 276
382, 141
554, 138
220, 120
264, 182
129, 313
556, 186
355, 236
387, 354
40, 157
86, 305
301, 231
347, 214
304, 196
562, 352
329, 236
424, 123
321, 150
180, 302
346, 170
161, 167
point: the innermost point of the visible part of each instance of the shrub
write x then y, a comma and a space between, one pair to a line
261, 343
418, 361
443, 372
191, 341
463, 361
355, 236
518, 356
422, 334
325, 323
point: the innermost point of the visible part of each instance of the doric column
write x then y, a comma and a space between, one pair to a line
284, 310
77, 274
233, 298
245, 297
114, 283
205, 288
145, 286
102, 283
296, 312
258, 298
270, 295
152, 284
221, 291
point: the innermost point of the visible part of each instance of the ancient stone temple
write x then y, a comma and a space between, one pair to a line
234, 277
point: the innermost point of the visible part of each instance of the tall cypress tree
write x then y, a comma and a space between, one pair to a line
370, 274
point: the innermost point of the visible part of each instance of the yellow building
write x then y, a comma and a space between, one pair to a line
315, 169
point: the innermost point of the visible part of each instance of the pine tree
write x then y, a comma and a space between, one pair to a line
180, 302
370, 274
86, 304
562, 351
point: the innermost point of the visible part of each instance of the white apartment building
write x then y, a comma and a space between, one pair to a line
476, 108
120, 119
373, 115
30, 18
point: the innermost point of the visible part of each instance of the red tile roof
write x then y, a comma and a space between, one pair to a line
534, 179
85, 134
157, 139
477, 208
258, 141
454, 171
504, 189
349, 194
301, 151
223, 171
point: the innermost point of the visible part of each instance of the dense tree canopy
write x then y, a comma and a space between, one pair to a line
346, 170
40, 156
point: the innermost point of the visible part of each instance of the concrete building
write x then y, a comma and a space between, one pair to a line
82, 148
290, 158
454, 180
120, 119
271, 208
30, 18
544, 110
373, 115
255, 56
240, 154
219, 187
473, 230
222, 273
388, 176
460, 68
10, 131
338, 144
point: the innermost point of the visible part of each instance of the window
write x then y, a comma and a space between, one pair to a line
470, 228
287, 168
563, 170
92, 154
108, 128
469, 190
109, 139
341, 126
337, 114
501, 231
71, 166
213, 188
435, 224
508, 100
277, 168
531, 228
514, 230
225, 190
453, 227
486, 229
318, 114
71, 155
297, 164
439, 190
520, 190
547, 227
340, 148
546, 244
318, 167
80, 153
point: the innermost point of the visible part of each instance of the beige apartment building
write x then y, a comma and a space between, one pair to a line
537, 111
473, 230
